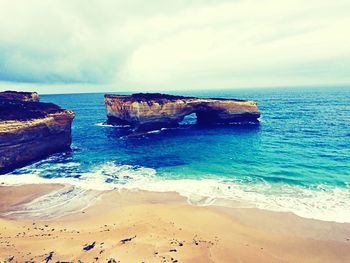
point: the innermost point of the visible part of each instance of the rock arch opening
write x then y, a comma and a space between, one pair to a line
189, 119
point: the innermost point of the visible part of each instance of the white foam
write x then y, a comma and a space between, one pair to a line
102, 124
154, 131
330, 204
159, 131
322, 202
68, 200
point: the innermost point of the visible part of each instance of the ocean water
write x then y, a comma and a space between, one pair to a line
297, 159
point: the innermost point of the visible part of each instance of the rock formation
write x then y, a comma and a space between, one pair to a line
153, 111
30, 130
22, 96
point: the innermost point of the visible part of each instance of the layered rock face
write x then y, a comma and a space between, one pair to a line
31, 130
154, 111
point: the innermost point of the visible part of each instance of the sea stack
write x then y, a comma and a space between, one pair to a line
150, 111
31, 130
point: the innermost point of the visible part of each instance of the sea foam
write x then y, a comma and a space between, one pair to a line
319, 201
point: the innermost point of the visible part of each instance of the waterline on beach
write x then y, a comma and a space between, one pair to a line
319, 201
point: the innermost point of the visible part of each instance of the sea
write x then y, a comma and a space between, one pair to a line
297, 159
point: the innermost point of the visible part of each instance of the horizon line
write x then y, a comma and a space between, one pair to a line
138, 90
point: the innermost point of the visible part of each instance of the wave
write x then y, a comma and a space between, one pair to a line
321, 202
103, 124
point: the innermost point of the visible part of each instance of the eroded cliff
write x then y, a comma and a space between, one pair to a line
154, 111
31, 130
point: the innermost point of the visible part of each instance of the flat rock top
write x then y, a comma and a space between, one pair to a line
22, 111
144, 97
24, 106
147, 97
22, 96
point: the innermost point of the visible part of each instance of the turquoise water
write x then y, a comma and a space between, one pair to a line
297, 159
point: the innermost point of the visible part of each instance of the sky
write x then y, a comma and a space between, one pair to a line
116, 45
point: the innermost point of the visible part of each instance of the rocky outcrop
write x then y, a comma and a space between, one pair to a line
154, 111
31, 130
22, 96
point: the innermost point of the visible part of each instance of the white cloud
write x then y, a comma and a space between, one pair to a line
175, 44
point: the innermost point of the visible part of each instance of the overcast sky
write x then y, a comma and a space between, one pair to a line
118, 45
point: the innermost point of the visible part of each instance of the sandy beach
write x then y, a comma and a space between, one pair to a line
174, 131
139, 226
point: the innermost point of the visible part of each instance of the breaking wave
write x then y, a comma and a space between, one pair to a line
322, 202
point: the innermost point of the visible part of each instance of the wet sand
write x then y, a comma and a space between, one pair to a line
12, 196
139, 226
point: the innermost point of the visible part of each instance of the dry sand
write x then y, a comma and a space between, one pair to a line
138, 226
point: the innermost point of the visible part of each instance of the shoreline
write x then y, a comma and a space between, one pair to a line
303, 202
22, 194
161, 222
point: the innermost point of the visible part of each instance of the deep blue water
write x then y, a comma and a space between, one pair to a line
297, 159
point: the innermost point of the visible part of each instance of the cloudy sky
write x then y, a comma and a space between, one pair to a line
118, 45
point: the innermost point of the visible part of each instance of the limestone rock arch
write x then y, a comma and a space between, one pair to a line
149, 111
